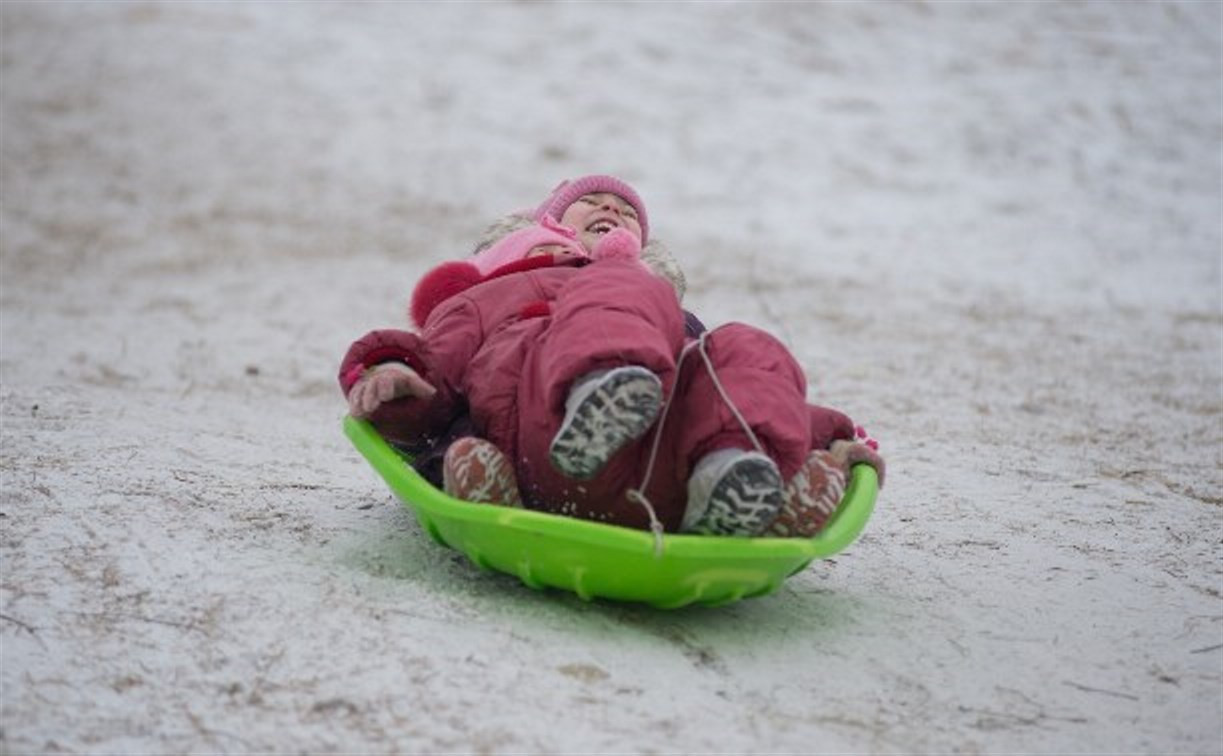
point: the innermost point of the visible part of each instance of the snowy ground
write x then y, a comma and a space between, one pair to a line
991, 232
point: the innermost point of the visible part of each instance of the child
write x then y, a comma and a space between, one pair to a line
567, 351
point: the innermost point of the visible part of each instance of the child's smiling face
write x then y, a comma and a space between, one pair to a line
593, 215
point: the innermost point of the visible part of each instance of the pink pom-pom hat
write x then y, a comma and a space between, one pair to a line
515, 246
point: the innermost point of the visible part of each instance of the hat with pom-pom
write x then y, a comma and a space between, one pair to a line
455, 277
568, 192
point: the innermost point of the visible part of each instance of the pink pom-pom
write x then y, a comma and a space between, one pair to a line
617, 244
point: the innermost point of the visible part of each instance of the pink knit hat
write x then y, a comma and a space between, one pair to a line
515, 246
568, 192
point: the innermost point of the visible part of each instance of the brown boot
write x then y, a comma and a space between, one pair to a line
476, 470
810, 497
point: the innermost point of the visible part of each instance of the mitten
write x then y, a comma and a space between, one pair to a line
862, 437
617, 244
850, 453
382, 383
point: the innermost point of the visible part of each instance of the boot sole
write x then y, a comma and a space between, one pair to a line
745, 500
475, 470
619, 410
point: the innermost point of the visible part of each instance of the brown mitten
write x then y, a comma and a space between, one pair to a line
850, 453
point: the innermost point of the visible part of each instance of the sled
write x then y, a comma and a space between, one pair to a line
596, 560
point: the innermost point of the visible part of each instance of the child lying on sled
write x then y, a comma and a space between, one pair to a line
586, 395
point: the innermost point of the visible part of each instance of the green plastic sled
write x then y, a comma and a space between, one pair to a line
607, 561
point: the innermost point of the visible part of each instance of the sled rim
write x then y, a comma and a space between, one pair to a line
842, 529
676, 575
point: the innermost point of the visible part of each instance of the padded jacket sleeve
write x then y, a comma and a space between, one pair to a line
828, 425
409, 422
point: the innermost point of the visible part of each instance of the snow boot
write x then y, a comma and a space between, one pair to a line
811, 496
604, 411
476, 470
734, 493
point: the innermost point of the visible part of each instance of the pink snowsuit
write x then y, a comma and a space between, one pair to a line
510, 347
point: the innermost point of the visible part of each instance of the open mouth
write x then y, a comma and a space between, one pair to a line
601, 227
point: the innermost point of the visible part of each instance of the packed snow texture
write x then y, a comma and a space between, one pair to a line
989, 231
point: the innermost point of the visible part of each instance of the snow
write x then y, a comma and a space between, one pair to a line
990, 232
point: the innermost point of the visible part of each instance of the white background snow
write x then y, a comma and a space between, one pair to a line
991, 232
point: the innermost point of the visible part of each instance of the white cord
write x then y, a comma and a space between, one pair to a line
638, 494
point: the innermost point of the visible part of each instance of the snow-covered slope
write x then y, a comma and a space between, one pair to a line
990, 231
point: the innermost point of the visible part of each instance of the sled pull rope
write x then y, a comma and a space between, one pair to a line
634, 495
637, 495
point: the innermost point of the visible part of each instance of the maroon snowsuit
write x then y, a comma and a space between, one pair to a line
511, 346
